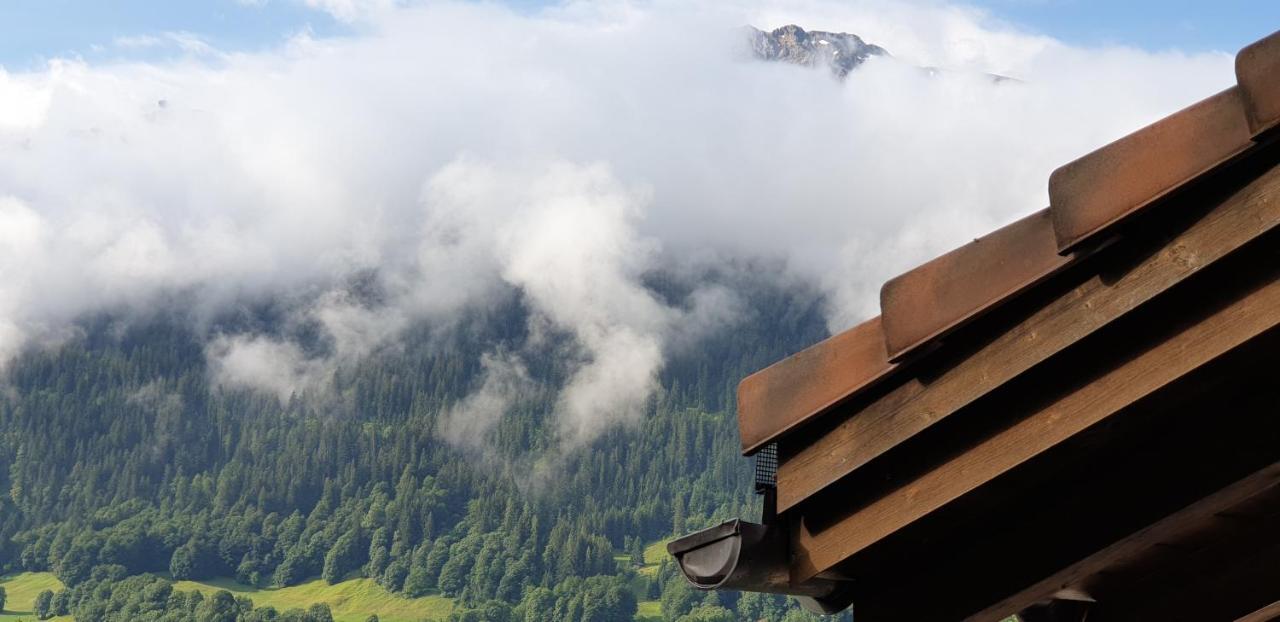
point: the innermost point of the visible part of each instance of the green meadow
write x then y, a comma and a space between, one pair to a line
22, 590
351, 601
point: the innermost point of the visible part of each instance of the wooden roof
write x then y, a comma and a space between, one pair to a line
1068, 394
1090, 199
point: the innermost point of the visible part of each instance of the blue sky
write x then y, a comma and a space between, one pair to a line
1194, 26
32, 31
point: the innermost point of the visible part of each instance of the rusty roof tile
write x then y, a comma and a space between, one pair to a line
795, 389
1090, 194
943, 294
1258, 74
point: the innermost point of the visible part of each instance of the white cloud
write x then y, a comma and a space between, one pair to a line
263, 363
184, 41
24, 102
574, 251
353, 10
456, 151
469, 422
23, 235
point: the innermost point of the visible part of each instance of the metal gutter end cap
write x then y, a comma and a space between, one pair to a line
738, 555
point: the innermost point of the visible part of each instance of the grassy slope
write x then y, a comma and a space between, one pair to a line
22, 590
654, 554
648, 610
351, 601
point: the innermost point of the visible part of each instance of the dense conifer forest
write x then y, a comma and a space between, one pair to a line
119, 458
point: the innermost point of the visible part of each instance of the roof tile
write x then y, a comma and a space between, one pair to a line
941, 295
1257, 70
1090, 194
795, 389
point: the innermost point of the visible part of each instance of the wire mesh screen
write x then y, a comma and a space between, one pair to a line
767, 468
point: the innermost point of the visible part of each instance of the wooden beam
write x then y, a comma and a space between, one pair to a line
1228, 585
915, 405
1222, 330
1172, 527
1265, 614
1096, 489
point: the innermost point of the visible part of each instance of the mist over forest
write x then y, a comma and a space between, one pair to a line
455, 304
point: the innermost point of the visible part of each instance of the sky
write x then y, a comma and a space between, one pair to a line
364, 168
1188, 25
33, 31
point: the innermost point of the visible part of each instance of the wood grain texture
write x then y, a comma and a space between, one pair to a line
1189, 519
913, 406
1265, 614
1196, 344
939, 296
808, 383
1090, 194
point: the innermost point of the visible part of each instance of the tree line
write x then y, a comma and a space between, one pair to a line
119, 457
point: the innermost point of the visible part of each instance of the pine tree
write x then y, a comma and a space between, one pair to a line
42, 606
342, 557
289, 481
182, 565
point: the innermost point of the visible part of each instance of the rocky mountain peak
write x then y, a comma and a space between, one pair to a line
841, 51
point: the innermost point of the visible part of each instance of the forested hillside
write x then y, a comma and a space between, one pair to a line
118, 457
